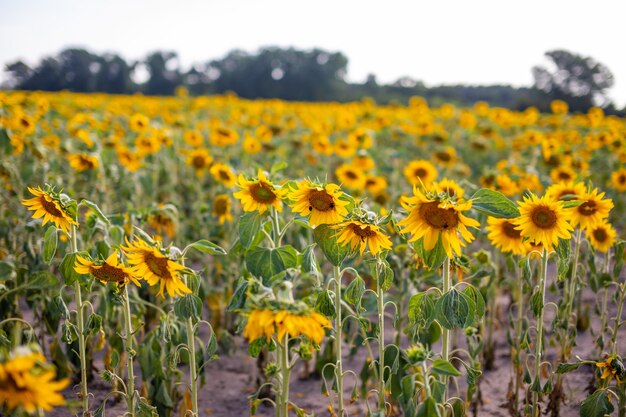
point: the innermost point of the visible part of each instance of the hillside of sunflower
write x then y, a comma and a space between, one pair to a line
194, 256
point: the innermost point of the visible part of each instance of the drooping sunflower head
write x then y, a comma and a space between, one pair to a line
278, 323
321, 203
360, 235
107, 271
48, 204
504, 236
593, 210
27, 381
152, 264
543, 221
259, 194
601, 236
435, 216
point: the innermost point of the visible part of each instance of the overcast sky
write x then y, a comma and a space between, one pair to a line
438, 42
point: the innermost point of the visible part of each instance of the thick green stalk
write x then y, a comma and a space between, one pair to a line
618, 320
191, 344
80, 318
445, 333
338, 337
539, 336
285, 377
380, 296
130, 353
571, 292
518, 336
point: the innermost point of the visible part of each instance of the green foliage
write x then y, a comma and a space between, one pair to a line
494, 204
326, 239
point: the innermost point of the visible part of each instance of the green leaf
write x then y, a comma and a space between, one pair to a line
211, 347
266, 262
471, 292
455, 310
96, 210
445, 368
385, 275
428, 408
206, 246
278, 166
254, 348
494, 204
596, 405
325, 305
190, 305
143, 409
94, 324
536, 303
50, 241
326, 239
238, 299
433, 258
6, 270
309, 261
422, 308
249, 226
571, 203
563, 249
67, 269
5, 141
354, 291
619, 259
42, 279
116, 234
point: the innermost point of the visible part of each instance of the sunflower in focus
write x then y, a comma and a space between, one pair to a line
357, 234
258, 194
420, 172
47, 204
27, 381
618, 179
221, 208
435, 217
277, 324
149, 263
504, 236
110, 270
544, 221
82, 161
224, 174
601, 236
592, 211
323, 204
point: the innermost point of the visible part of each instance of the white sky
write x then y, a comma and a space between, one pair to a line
437, 42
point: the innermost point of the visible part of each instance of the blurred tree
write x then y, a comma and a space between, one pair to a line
164, 73
581, 81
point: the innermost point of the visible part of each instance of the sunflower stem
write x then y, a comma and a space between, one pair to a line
445, 333
517, 361
191, 345
571, 292
380, 297
285, 377
618, 319
130, 353
539, 336
338, 337
80, 318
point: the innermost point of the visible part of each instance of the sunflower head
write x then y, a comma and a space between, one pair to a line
289, 320
259, 194
221, 208
504, 236
52, 207
593, 210
106, 271
601, 236
321, 203
361, 234
543, 221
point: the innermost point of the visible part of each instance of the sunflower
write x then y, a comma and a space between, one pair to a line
154, 267
224, 174
618, 179
268, 323
27, 381
601, 236
222, 136
450, 187
612, 367
445, 156
345, 148
111, 270
199, 160
48, 205
82, 161
351, 177
592, 211
504, 236
435, 217
221, 208
543, 220
566, 191
422, 171
252, 145
363, 162
563, 174
322, 203
258, 194
163, 221
139, 123
357, 234
193, 138
376, 184
128, 159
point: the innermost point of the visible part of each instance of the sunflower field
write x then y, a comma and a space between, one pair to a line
214, 256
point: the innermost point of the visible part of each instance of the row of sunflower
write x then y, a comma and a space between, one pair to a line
391, 278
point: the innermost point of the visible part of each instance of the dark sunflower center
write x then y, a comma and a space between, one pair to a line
588, 208
51, 207
439, 218
509, 230
420, 172
364, 233
262, 193
321, 201
621, 179
157, 265
108, 273
198, 161
25, 123
86, 162
443, 156
351, 175
543, 217
221, 206
225, 175
370, 182
600, 235
564, 175
223, 132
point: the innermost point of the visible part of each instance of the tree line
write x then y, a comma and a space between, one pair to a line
303, 75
